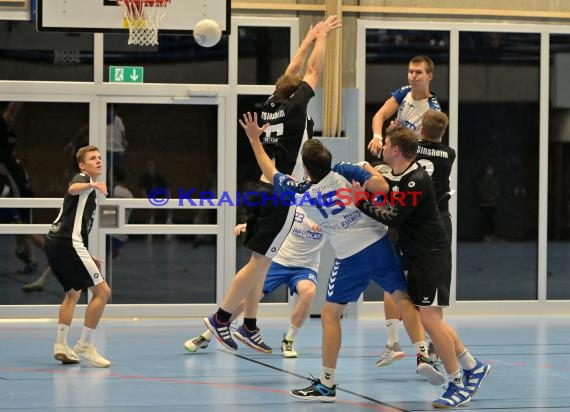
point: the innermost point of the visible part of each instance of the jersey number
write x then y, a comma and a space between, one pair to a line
274, 130
327, 205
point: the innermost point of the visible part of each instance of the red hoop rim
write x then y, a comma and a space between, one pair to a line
147, 3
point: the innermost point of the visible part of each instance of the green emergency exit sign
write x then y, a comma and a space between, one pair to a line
122, 74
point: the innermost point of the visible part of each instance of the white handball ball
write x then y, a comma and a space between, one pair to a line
207, 33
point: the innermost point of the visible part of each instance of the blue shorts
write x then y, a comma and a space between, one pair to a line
278, 275
378, 262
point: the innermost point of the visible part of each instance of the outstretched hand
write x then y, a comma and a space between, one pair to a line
330, 24
249, 125
313, 32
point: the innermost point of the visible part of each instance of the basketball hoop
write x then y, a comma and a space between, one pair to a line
143, 18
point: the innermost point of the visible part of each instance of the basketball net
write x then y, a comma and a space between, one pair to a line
143, 18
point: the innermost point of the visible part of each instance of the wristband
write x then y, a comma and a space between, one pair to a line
378, 136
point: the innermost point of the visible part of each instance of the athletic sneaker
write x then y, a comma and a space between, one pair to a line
453, 397
287, 348
89, 353
475, 377
64, 354
428, 370
33, 287
316, 392
390, 355
432, 353
199, 342
221, 331
253, 339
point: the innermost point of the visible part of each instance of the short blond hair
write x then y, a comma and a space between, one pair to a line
434, 124
286, 85
80, 155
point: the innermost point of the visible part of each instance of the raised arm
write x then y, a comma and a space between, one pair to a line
317, 58
253, 132
296, 64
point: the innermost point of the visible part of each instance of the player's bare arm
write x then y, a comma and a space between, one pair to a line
253, 132
387, 110
317, 59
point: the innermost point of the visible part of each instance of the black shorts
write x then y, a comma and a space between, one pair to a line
268, 222
72, 264
429, 278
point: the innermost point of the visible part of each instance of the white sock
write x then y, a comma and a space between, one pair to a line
327, 377
291, 333
62, 333
422, 347
207, 334
86, 335
456, 378
393, 331
466, 360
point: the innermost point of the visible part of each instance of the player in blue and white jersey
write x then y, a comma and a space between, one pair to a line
363, 251
296, 265
410, 101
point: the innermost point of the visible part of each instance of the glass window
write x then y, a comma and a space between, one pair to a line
176, 59
173, 147
559, 170
388, 53
263, 54
26, 54
38, 143
248, 172
181, 268
25, 278
498, 166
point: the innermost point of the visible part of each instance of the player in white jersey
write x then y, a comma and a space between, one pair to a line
296, 265
363, 252
410, 101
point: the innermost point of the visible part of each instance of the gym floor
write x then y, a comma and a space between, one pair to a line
152, 372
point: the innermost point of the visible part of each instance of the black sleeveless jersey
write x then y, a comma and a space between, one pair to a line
289, 127
76, 216
416, 216
437, 159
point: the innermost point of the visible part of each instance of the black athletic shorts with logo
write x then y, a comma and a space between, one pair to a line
429, 277
268, 221
72, 264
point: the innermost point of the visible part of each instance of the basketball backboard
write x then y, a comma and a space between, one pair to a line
107, 16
